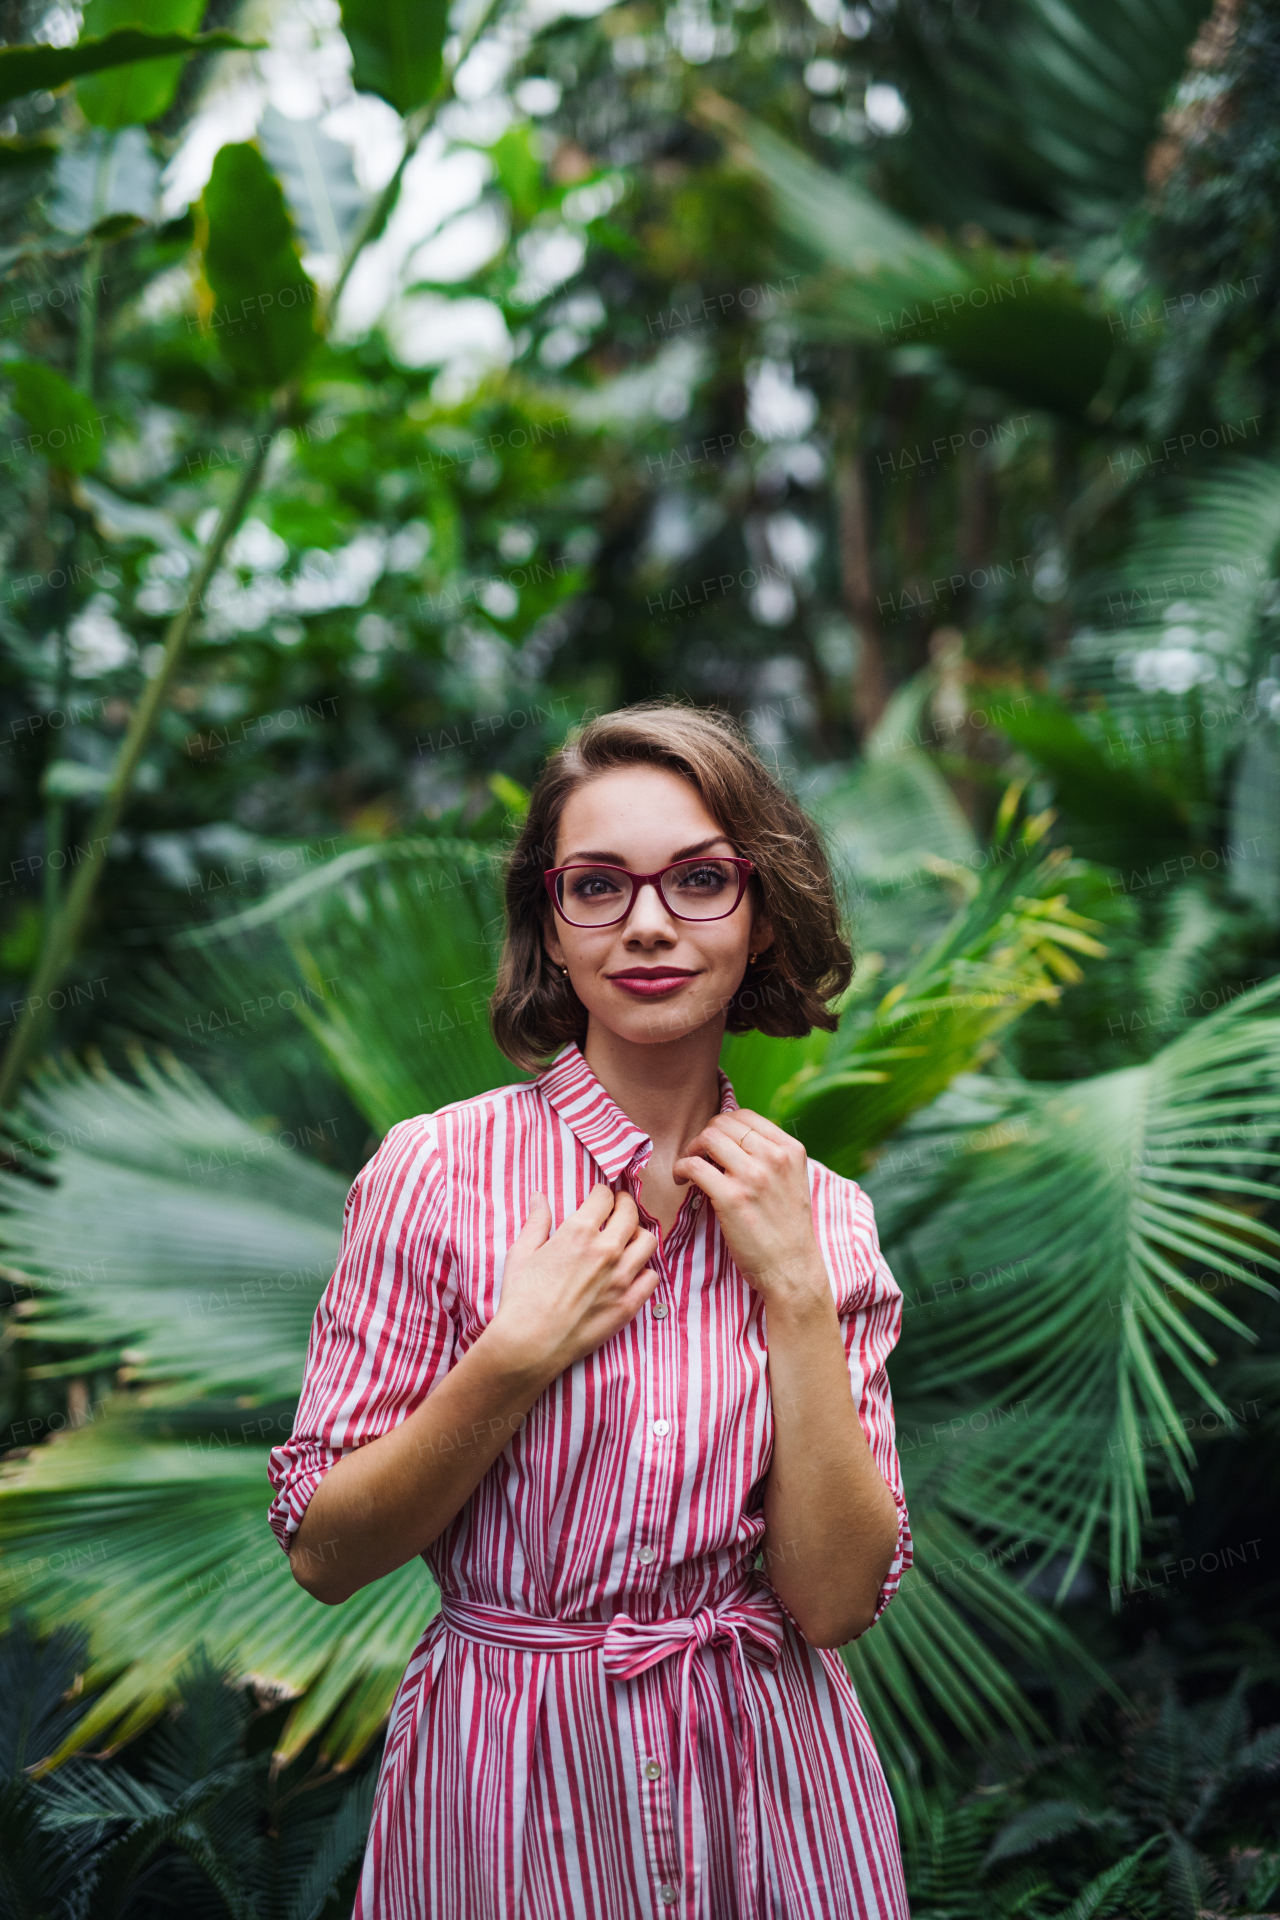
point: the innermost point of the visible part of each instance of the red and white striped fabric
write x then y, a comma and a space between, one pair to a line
613, 1715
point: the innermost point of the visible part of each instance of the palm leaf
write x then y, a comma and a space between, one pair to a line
1019, 322
1186, 604
1091, 1212
926, 1659
1130, 810
1038, 112
890, 815
154, 1546
1104, 1894
177, 1235
340, 1841
392, 953
1089, 80
1009, 947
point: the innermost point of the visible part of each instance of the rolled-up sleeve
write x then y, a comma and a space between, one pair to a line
869, 1303
385, 1329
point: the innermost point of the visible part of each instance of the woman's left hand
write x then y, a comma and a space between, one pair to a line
757, 1179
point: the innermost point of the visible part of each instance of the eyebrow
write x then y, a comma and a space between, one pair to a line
616, 860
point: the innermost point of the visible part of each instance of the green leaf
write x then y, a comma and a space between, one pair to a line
66, 428
134, 95
74, 780
1103, 1895
29, 68
1019, 322
1096, 1216
397, 48
1009, 947
341, 1842
1197, 581
155, 1546
318, 179
891, 815
262, 303
177, 1232
394, 949
1136, 816
19, 151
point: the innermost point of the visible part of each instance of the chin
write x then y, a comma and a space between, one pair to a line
655, 1024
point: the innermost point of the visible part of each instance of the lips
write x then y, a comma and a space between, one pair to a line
653, 984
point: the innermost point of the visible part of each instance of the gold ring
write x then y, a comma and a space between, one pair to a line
746, 1136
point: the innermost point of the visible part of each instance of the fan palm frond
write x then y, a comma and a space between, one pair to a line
1019, 322
392, 953
1097, 1216
1009, 947
1034, 113
179, 1239
1130, 816
156, 1545
1183, 610
1089, 80
926, 1656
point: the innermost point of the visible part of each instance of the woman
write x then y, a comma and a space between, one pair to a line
608, 1351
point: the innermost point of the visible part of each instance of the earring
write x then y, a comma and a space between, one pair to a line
565, 972
751, 959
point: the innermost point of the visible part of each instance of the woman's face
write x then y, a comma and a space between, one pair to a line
652, 977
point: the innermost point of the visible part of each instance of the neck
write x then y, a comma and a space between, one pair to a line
669, 1090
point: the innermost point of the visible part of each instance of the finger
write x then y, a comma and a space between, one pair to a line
638, 1292
537, 1228
635, 1255
624, 1219
711, 1179
754, 1138
755, 1123
597, 1206
721, 1147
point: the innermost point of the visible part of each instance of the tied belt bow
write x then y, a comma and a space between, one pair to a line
748, 1623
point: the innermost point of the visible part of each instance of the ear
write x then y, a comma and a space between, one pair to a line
761, 932
551, 944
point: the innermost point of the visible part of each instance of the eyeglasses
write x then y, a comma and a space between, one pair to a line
590, 895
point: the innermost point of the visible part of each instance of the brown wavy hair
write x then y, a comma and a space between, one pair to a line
534, 1010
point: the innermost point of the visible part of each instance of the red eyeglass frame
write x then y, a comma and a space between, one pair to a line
745, 870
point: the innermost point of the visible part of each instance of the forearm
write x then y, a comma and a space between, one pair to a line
385, 1502
831, 1524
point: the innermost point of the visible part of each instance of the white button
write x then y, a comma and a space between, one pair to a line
653, 1770
668, 1896
695, 1203
644, 1555
661, 1427
660, 1309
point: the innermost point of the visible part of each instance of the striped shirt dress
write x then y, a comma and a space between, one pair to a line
612, 1716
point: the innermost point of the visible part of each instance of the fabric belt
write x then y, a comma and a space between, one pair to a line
748, 1622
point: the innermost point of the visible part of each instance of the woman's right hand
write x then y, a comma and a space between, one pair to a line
563, 1297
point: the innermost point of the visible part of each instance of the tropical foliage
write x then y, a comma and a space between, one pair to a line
197, 1821
896, 376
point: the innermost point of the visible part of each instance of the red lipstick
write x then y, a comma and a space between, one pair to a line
651, 983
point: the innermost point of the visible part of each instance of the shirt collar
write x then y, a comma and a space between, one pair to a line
594, 1117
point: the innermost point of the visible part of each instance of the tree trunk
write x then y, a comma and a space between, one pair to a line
858, 589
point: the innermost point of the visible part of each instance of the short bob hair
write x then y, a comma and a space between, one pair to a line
534, 1010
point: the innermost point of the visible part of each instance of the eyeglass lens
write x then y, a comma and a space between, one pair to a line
694, 890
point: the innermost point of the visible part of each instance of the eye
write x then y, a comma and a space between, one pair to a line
703, 876
591, 884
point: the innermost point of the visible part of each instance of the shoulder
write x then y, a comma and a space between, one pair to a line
518, 1107
845, 1222
445, 1135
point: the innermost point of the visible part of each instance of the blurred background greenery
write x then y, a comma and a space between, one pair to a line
386, 391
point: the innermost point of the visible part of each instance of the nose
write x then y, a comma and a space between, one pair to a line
649, 911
